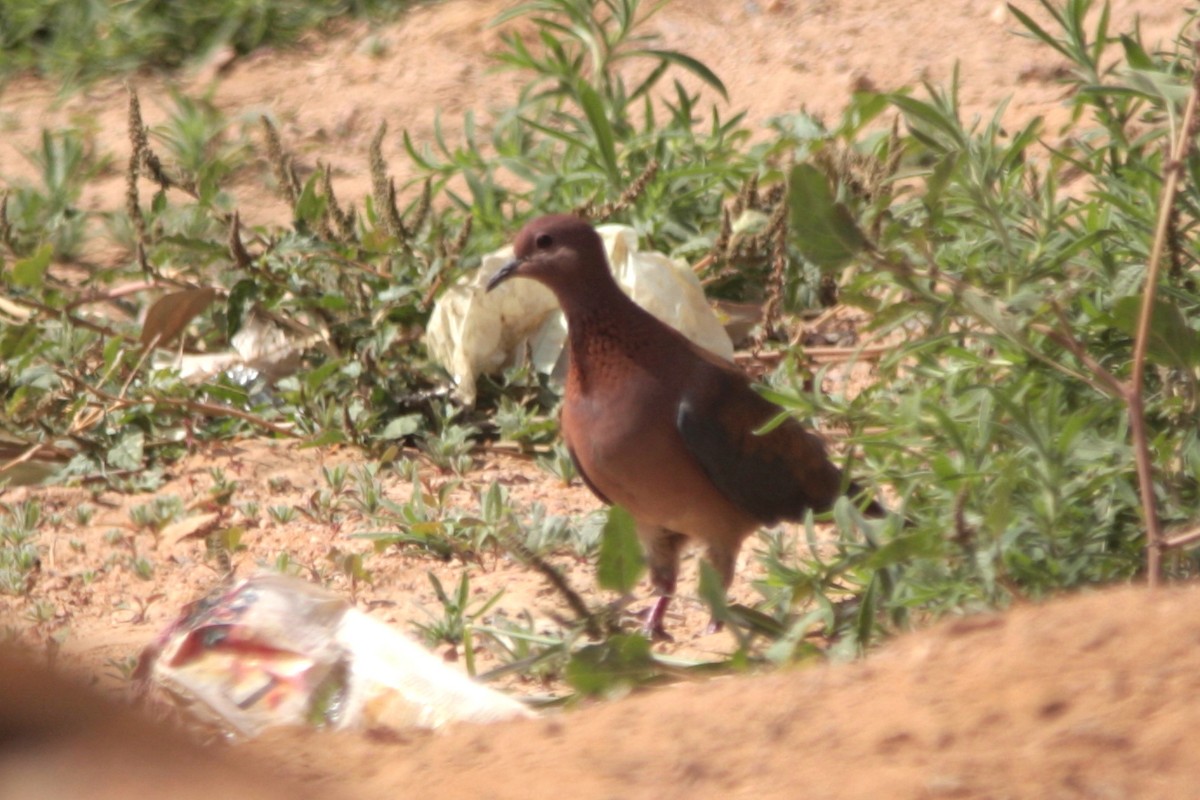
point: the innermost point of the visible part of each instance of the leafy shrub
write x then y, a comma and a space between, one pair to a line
1005, 270
1010, 275
79, 40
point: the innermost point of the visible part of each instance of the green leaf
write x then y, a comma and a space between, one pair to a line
28, 272
623, 660
1038, 31
317, 376
986, 308
918, 113
326, 438
597, 118
712, 592
1172, 343
939, 178
697, 68
402, 426
865, 622
310, 206
824, 229
128, 451
243, 293
903, 548
1135, 54
171, 313
621, 561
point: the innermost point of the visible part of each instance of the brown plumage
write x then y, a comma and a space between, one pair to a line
661, 426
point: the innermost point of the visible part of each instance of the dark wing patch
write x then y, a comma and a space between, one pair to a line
778, 475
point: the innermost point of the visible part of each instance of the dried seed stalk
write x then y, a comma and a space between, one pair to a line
628, 197
6, 233
383, 189
339, 220
724, 237
460, 241
137, 144
421, 212
236, 249
281, 163
776, 234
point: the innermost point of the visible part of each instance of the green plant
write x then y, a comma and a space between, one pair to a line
352, 565
142, 567
122, 669
450, 448
41, 612
1001, 415
286, 564
197, 138
156, 514
250, 510
45, 220
369, 495
84, 514
459, 613
579, 133
77, 41
522, 648
1005, 280
558, 462
19, 553
282, 514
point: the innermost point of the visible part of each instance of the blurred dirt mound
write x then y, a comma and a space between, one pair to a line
60, 740
1085, 696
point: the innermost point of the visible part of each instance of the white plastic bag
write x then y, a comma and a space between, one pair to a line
473, 331
272, 650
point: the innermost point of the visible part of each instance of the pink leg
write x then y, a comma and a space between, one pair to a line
653, 627
662, 554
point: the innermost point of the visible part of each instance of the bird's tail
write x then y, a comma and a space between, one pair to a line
873, 508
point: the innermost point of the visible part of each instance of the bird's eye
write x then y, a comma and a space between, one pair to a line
543, 241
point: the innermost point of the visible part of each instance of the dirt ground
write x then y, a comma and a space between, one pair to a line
1086, 696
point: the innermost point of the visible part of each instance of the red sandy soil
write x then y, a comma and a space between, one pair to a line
1087, 696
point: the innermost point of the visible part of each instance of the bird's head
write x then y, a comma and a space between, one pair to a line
561, 251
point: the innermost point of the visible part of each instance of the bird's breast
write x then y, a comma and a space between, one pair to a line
623, 434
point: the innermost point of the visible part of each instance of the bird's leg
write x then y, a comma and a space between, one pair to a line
662, 555
724, 559
653, 628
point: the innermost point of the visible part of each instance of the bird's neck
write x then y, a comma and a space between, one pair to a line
604, 329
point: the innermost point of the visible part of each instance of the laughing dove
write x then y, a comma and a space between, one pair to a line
663, 427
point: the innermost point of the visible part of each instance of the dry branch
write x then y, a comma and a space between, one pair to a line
1135, 392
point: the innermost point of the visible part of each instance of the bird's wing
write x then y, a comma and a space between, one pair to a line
773, 476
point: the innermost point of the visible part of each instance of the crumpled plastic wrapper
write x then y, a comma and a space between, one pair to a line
262, 346
473, 331
271, 650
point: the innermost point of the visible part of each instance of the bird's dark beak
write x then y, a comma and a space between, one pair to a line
503, 274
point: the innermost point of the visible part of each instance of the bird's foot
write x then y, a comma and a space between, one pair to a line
656, 633
714, 625
653, 628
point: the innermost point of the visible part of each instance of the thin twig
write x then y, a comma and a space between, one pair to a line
207, 409
74, 320
1135, 397
29, 454
1105, 382
108, 295
590, 621
1182, 539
